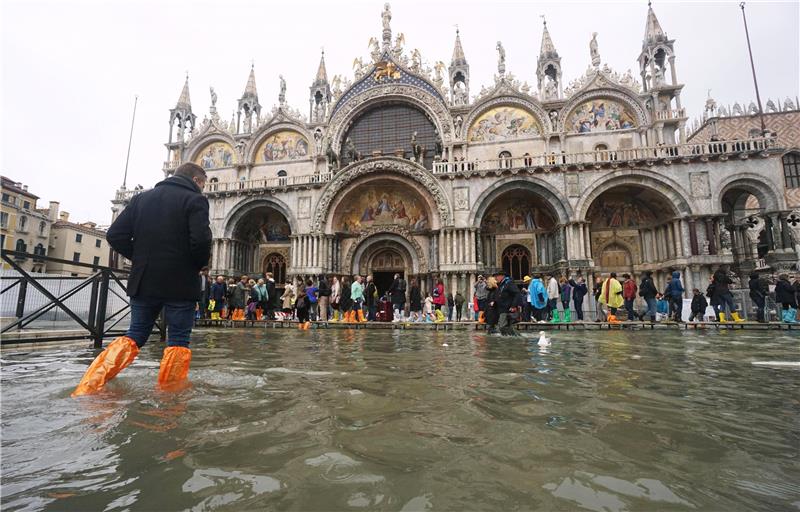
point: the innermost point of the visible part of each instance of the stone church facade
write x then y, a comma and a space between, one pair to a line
401, 169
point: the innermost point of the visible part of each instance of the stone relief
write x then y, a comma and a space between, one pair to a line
303, 207
699, 184
461, 198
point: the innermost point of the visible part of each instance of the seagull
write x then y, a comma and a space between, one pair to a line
543, 341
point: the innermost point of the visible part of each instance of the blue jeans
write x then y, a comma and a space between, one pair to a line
179, 315
629, 309
651, 308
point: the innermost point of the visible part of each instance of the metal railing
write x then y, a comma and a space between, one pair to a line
104, 283
606, 156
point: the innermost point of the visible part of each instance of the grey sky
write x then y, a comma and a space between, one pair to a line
70, 69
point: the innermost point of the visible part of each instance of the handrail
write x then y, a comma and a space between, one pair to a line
62, 261
605, 156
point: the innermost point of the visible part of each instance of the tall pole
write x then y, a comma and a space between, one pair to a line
130, 139
753, 68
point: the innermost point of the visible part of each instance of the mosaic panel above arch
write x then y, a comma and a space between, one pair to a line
626, 207
380, 205
517, 212
282, 145
503, 123
600, 115
216, 155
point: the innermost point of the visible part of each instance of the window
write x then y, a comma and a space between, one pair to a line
282, 178
76, 257
8, 199
39, 250
26, 205
96, 260
98, 242
23, 223
2, 241
42, 227
20, 246
4, 219
791, 170
78, 237
516, 262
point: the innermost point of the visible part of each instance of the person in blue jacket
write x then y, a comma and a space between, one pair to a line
674, 294
538, 295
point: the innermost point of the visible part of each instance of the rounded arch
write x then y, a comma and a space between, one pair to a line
673, 193
532, 108
557, 202
373, 97
268, 130
620, 95
198, 145
390, 168
769, 198
241, 210
397, 236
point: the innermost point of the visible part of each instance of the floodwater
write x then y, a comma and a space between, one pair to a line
414, 420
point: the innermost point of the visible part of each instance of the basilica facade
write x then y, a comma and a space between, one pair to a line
403, 167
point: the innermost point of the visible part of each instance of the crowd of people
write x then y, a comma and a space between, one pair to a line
496, 300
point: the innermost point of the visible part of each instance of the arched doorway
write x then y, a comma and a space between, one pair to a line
259, 238
383, 263
615, 258
738, 205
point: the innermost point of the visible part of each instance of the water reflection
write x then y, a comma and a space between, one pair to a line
410, 420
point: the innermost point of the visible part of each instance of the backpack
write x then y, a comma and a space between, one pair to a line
402, 285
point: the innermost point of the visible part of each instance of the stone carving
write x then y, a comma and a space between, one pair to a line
737, 109
752, 108
213, 98
461, 198
793, 222
389, 229
416, 150
788, 104
572, 186
771, 106
282, 93
596, 75
386, 17
416, 61
438, 79
699, 184
755, 225
725, 243
593, 51
374, 49
705, 251
333, 159
459, 124
303, 207
388, 165
399, 41
501, 59
318, 141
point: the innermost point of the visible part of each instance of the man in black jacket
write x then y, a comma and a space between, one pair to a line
759, 289
165, 233
324, 297
507, 296
648, 291
397, 294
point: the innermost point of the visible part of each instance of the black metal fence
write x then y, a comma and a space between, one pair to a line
94, 307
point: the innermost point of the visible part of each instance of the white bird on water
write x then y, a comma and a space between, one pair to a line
543, 341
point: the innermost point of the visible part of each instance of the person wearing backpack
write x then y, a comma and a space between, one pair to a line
648, 291
759, 289
397, 293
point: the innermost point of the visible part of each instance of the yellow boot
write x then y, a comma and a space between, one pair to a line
736, 317
722, 318
174, 368
439, 316
335, 316
118, 354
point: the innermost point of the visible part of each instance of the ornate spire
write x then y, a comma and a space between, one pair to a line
250, 88
652, 29
322, 73
184, 101
458, 52
548, 49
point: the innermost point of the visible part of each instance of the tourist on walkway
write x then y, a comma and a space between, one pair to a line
415, 296
165, 233
662, 307
537, 294
217, 295
229, 292
480, 294
722, 282
313, 299
674, 293
648, 291
357, 296
459, 300
205, 292
611, 296
428, 312
527, 309
397, 294
238, 299
785, 296
713, 298
566, 293
491, 305
579, 291
451, 305
324, 294
438, 300
759, 289
264, 298
287, 299
507, 293
346, 303
272, 296
253, 300
629, 290
699, 305
336, 297
301, 306
553, 294
371, 298
599, 314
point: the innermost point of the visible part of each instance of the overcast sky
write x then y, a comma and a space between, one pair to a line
70, 69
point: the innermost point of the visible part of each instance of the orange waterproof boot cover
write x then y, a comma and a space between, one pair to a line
174, 368
118, 354
361, 316
481, 317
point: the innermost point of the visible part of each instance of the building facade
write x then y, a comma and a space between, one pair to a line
401, 169
23, 227
78, 242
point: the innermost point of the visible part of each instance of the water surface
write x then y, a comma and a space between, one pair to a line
382, 420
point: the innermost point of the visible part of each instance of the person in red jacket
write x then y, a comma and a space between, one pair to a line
629, 290
439, 299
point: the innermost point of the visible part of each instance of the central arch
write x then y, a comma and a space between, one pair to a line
392, 237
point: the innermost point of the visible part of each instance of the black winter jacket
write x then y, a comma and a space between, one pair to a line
647, 289
165, 232
699, 303
784, 292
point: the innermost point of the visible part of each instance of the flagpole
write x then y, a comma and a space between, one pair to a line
753, 68
130, 139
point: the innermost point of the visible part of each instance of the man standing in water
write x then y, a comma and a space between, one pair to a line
165, 232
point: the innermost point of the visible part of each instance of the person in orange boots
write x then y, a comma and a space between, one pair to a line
611, 296
165, 233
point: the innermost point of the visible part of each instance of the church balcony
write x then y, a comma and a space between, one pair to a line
124, 195
260, 184
666, 153
676, 113
170, 166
